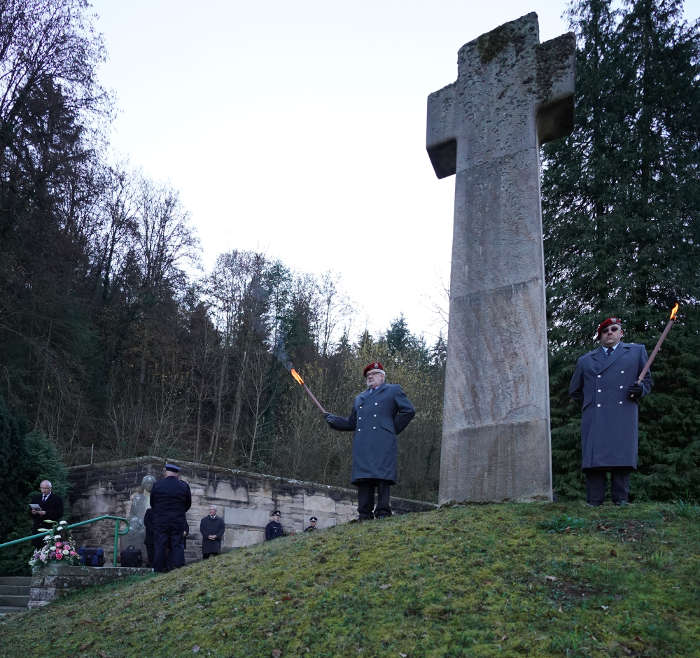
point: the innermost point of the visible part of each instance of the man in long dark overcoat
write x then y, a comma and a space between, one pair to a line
170, 500
605, 380
379, 414
212, 529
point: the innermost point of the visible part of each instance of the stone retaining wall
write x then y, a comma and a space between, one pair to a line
244, 500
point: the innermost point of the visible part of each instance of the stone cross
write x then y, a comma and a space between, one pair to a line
511, 95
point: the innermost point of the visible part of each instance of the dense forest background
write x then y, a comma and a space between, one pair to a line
113, 344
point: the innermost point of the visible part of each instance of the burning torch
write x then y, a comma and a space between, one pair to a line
667, 328
300, 381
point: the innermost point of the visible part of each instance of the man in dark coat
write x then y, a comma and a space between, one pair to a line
312, 524
170, 500
274, 528
378, 415
212, 530
50, 509
605, 380
149, 537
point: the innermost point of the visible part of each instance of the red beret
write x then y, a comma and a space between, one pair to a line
607, 322
375, 365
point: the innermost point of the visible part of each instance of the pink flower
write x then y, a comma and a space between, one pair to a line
59, 556
58, 544
73, 553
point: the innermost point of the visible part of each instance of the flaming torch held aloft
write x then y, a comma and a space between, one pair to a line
667, 328
300, 381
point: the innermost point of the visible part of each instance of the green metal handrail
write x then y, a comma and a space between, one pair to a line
119, 520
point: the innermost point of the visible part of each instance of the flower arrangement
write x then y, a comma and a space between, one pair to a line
58, 546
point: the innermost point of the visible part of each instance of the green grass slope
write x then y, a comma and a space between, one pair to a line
473, 580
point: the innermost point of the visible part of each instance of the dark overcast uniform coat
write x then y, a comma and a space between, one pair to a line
170, 500
608, 418
377, 418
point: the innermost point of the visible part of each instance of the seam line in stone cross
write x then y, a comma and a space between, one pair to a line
517, 284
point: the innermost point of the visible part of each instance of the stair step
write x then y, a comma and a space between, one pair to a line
14, 600
21, 581
8, 609
13, 589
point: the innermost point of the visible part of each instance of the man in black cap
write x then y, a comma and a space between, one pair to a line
313, 520
605, 381
379, 414
170, 500
274, 528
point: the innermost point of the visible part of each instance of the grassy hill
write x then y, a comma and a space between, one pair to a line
475, 580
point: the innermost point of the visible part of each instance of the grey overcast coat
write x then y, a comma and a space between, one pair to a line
376, 418
608, 418
209, 526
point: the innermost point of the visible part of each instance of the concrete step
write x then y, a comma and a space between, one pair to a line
14, 600
13, 589
8, 610
24, 581
14, 593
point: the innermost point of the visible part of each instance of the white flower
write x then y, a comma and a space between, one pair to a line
52, 548
65, 551
63, 523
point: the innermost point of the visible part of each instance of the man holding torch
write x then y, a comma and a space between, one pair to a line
608, 382
379, 414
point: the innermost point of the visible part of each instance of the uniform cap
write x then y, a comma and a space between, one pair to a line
276, 513
607, 322
313, 518
375, 365
172, 467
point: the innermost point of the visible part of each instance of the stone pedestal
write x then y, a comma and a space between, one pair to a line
56, 579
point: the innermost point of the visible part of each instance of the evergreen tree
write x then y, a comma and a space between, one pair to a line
30, 458
620, 206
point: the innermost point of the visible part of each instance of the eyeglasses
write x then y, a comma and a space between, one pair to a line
609, 330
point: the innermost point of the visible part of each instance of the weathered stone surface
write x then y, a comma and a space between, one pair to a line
511, 94
243, 500
55, 580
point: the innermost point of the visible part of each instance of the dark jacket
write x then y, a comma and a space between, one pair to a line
608, 417
170, 500
377, 417
209, 526
273, 530
53, 506
149, 537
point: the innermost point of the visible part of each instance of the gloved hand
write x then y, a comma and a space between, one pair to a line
328, 417
634, 392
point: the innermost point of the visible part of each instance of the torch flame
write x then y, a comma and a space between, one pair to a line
297, 377
674, 310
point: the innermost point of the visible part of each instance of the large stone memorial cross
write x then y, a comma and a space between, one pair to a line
511, 95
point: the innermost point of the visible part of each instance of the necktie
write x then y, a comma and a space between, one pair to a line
608, 351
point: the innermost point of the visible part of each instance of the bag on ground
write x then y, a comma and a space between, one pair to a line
91, 556
131, 557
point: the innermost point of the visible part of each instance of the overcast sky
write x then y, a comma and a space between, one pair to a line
297, 128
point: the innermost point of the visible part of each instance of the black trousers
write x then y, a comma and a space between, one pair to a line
169, 549
365, 499
596, 484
